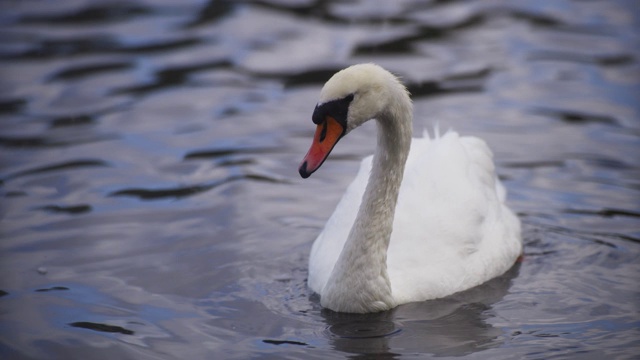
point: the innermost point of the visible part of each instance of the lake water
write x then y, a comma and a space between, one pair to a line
151, 206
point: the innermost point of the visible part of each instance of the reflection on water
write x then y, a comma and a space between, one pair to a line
151, 206
454, 326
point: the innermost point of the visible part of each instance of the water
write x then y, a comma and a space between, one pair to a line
151, 206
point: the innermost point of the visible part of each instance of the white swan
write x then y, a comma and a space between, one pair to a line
451, 230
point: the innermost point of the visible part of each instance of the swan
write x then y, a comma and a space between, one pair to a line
423, 219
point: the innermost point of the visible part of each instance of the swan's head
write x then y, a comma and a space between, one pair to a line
350, 98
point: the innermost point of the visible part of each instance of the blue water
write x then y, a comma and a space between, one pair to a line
151, 206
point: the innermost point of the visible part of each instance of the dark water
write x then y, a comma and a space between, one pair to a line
151, 206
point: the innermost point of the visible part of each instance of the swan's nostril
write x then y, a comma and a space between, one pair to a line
323, 133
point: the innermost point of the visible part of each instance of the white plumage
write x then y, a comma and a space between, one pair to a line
451, 230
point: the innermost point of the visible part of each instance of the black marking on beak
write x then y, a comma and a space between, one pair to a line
303, 170
337, 109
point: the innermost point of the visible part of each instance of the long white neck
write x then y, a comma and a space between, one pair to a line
359, 281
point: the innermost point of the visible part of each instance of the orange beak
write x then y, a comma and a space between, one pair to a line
327, 135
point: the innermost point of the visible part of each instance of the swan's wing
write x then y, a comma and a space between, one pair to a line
450, 215
451, 229
328, 245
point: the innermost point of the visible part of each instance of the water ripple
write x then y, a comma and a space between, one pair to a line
89, 69
91, 14
72, 209
68, 165
102, 327
184, 191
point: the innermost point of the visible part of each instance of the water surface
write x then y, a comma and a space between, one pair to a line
151, 206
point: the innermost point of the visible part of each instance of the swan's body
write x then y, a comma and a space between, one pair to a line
437, 226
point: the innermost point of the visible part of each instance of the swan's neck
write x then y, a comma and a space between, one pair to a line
359, 281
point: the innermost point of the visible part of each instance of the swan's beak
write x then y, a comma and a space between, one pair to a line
327, 135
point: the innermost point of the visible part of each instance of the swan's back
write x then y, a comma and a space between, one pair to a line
451, 229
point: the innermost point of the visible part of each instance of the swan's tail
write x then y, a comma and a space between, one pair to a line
437, 134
